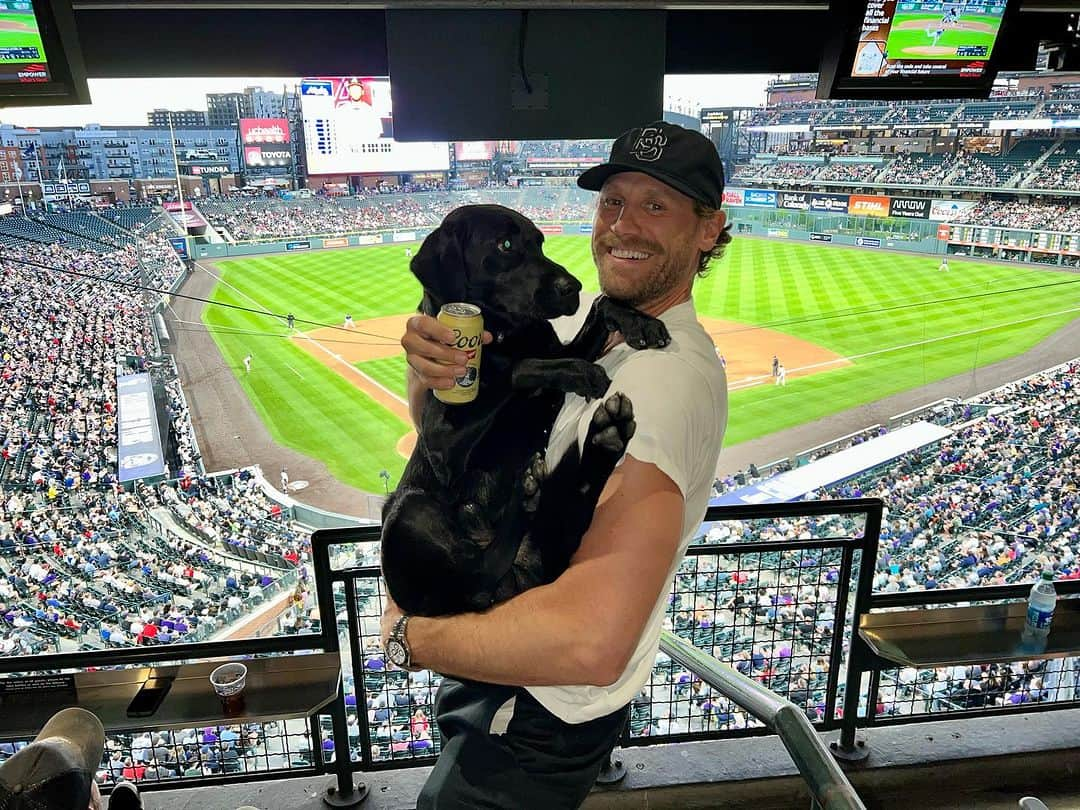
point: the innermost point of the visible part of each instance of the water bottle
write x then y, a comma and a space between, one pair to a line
1041, 603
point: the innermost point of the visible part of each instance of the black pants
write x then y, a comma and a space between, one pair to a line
540, 762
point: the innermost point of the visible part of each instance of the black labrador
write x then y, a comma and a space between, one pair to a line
476, 517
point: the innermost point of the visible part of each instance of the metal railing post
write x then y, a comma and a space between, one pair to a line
823, 776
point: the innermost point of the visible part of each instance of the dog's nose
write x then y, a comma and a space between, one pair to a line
567, 286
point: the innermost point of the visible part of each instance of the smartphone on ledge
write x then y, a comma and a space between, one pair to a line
149, 697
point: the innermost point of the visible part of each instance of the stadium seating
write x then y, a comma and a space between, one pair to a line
1061, 169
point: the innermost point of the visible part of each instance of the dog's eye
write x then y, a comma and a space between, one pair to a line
504, 246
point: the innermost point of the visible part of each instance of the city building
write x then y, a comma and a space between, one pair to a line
95, 152
180, 118
226, 109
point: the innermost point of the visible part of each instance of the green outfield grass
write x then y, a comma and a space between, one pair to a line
20, 38
886, 311
902, 39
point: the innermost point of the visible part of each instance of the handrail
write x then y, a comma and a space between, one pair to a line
826, 781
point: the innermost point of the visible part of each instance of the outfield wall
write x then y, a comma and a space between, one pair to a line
289, 245
887, 233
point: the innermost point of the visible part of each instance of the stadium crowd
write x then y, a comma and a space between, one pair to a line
1062, 217
81, 564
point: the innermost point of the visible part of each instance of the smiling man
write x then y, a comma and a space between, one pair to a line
537, 687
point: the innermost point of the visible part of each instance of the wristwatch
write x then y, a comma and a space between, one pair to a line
397, 646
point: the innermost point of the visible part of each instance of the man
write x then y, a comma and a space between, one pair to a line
57, 770
247, 363
944, 266
560, 663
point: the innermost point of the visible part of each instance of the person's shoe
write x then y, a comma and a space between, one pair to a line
125, 796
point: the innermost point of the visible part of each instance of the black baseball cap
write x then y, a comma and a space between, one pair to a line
56, 771
683, 159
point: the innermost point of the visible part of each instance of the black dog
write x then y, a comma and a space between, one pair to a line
476, 518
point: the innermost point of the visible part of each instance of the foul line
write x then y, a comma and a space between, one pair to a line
314, 342
294, 371
749, 382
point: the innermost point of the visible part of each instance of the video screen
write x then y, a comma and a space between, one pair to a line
22, 52
919, 38
349, 128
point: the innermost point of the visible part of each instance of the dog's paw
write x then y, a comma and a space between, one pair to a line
640, 331
591, 381
613, 424
535, 473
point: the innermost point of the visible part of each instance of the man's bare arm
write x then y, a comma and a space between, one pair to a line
584, 627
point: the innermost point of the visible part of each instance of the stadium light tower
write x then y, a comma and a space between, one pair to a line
176, 168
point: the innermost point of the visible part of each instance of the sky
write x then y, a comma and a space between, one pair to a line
126, 101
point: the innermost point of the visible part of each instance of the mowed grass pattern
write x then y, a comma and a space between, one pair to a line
892, 314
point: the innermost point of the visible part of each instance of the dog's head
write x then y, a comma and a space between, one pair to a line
493, 257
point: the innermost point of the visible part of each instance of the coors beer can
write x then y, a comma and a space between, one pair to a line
468, 326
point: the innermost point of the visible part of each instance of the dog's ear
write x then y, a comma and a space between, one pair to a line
439, 265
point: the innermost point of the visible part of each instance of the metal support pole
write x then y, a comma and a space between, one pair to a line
613, 771
343, 793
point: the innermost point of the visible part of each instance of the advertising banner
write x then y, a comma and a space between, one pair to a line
829, 203
369, 239
778, 233
405, 236
179, 245
733, 196
943, 232
948, 210
65, 189
793, 200
205, 169
265, 142
585, 227
909, 208
867, 241
300, 245
138, 441
759, 198
861, 205
821, 237
339, 242
550, 229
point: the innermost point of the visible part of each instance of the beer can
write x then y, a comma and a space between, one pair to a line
468, 326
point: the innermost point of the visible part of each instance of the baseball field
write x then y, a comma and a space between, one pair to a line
913, 34
18, 29
850, 325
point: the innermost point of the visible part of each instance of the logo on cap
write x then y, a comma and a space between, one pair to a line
649, 145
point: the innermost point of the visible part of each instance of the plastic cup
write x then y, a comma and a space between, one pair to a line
229, 681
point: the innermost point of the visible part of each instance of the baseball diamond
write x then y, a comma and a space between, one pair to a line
852, 326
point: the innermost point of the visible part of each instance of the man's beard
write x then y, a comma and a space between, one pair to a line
652, 286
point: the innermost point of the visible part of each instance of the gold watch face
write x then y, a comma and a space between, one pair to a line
395, 652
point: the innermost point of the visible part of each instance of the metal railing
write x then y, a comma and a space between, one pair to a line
713, 574
772, 592
879, 695
828, 785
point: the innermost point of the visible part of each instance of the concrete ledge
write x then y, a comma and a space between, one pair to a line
985, 763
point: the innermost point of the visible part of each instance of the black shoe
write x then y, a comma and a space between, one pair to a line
125, 796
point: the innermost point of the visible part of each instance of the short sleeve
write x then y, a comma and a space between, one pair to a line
677, 416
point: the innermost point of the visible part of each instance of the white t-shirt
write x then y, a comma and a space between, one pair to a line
679, 394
